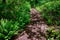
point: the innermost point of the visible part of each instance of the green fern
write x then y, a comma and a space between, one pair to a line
8, 29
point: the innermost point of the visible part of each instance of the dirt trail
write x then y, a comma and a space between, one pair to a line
36, 30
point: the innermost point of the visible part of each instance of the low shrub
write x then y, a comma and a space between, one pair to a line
53, 34
35, 3
14, 15
51, 12
17, 11
8, 29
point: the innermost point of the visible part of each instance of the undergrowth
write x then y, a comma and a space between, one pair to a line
15, 14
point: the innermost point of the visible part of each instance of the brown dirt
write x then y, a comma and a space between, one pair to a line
36, 30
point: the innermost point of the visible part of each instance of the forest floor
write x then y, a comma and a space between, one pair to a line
36, 29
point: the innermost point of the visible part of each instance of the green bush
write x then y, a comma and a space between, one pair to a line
17, 11
53, 34
14, 15
8, 29
51, 12
35, 3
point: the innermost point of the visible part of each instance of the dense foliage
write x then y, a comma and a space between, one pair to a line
53, 33
8, 29
51, 12
16, 11
14, 15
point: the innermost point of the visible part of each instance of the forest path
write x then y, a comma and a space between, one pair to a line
36, 30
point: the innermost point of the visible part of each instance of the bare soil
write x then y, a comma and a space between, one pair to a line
36, 29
